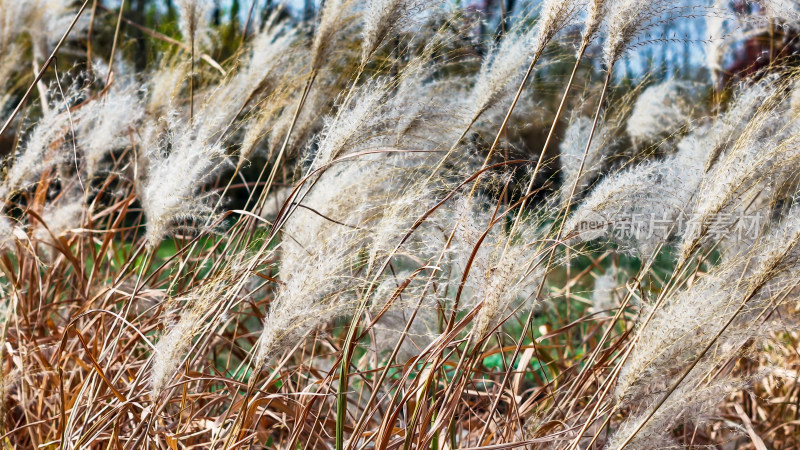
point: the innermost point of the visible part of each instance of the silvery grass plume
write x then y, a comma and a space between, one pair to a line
273, 57
308, 121
106, 124
694, 401
10, 64
312, 296
272, 53
571, 154
319, 254
505, 64
9, 232
661, 110
762, 156
338, 237
199, 311
715, 39
423, 329
596, 11
723, 311
42, 151
786, 12
626, 20
505, 269
171, 191
641, 207
164, 86
554, 16
353, 120
264, 121
269, 49
194, 22
728, 127
332, 24
418, 112
12, 21
382, 18
45, 21
60, 218
794, 102
677, 332
604, 301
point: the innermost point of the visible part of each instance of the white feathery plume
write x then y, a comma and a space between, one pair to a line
309, 297
571, 154
47, 20
660, 110
694, 401
721, 313
504, 270
595, 13
760, 151
351, 218
351, 121
641, 204
60, 218
106, 124
170, 349
389, 329
554, 16
382, 18
194, 22
44, 20
501, 69
171, 190
269, 51
12, 56
13, 20
626, 19
506, 63
163, 86
328, 32
787, 12
8, 232
794, 102
36, 155
603, 299
200, 304
307, 122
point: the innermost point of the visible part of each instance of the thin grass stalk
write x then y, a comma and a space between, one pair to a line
279, 157
362, 303
475, 352
753, 291
114, 42
622, 361
191, 75
550, 135
43, 69
506, 377
362, 420
247, 22
507, 117
89, 37
172, 41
